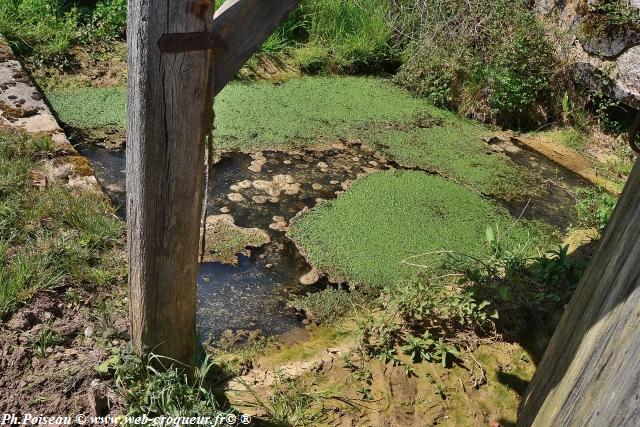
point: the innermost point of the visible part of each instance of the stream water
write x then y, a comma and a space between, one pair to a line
252, 295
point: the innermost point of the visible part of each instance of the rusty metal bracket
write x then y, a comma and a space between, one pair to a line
633, 134
189, 42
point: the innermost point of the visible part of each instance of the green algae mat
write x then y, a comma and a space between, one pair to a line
364, 235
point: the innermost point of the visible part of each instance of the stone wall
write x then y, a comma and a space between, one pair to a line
608, 62
23, 107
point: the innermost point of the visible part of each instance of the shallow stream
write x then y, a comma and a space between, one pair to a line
266, 189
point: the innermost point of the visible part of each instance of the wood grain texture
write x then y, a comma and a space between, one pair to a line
590, 372
243, 26
168, 116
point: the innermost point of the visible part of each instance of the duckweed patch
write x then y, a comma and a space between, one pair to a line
88, 107
288, 114
454, 149
262, 114
365, 235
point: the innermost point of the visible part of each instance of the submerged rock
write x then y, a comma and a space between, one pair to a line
224, 239
278, 185
235, 197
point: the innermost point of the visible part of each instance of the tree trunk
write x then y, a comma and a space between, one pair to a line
168, 117
590, 373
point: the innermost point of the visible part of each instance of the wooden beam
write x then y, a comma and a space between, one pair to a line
168, 116
243, 26
590, 372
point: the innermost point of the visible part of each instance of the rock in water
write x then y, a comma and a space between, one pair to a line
311, 278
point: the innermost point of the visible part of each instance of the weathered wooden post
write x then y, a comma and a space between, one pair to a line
171, 82
590, 372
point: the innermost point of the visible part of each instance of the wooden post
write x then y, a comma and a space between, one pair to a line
590, 372
168, 117
168, 111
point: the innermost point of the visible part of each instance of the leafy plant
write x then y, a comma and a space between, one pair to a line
292, 402
595, 207
47, 338
160, 386
419, 348
443, 352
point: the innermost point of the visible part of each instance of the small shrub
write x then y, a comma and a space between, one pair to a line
488, 60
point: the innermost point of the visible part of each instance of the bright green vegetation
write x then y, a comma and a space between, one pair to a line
157, 387
452, 147
47, 29
320, 110
49, 236
305, 110
264, 114
90, 107
485, 59
385, 218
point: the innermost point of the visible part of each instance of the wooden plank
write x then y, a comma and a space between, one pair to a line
243, 26
590, 373
168, 117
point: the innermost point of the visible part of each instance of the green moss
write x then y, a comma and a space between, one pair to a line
312, 111
296, 112
364, 235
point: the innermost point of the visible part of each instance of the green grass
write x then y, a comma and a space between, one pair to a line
363, 235
52, 236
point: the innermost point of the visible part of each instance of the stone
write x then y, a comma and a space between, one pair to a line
224, 239
278, 185
311, 278
323, 165
235, 197
259, 199
316, 186
88, 331
244, 184
279, 224
225, 209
